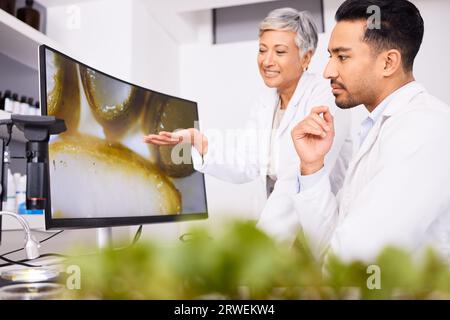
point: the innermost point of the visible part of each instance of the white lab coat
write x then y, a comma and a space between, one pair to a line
250, 161
393, 190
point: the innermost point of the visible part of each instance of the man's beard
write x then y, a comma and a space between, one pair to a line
347, 103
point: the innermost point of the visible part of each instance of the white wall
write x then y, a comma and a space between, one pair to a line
120, 37
155, 55
98, 32
431, 66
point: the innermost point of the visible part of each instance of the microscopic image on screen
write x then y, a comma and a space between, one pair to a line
100, 167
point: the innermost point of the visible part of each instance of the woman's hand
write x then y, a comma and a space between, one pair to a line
191, 135
313, 138
165, 138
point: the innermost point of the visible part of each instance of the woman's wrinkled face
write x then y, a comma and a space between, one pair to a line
279, 59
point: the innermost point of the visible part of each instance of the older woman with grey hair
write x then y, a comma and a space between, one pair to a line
287, 42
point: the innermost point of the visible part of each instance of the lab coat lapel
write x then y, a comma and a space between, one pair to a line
397, 105
269, 102
291, 109
370, 139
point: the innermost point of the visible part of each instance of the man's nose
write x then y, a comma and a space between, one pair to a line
330, 71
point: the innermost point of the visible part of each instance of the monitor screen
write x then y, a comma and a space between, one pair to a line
101, 173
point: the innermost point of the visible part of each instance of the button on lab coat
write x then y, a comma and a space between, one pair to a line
393, 190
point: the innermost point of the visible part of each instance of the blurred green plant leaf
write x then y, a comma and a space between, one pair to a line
242, 262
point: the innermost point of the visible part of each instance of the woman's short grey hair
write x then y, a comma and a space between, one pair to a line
300, 22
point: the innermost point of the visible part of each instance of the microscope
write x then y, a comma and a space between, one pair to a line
37, 131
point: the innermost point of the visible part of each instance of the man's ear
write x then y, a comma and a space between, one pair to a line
392, 62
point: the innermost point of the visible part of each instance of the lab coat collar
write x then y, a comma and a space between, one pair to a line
269, 96
291, 109
398, 102
402, 96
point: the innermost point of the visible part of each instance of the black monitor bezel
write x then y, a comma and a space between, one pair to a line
85, 223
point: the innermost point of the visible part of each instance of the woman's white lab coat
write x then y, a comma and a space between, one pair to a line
246, 157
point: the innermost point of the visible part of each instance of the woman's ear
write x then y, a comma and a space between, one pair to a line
306, 60
392, 62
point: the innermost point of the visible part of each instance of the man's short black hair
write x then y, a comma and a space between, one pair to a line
401, 26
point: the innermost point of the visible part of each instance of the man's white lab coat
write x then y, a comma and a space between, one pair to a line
392, 190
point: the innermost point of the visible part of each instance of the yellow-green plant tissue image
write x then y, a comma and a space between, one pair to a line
102, 159
115, 105
176, 114
107, 163
163, 113
63, 96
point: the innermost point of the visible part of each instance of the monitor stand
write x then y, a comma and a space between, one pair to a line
104, 238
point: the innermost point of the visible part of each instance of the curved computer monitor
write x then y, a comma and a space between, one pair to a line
101, 173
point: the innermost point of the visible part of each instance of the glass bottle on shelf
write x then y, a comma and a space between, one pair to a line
12, 106
37, 109
2, 101
15, 103
8, 5
30, 110
6, 100
23, 105
29, 15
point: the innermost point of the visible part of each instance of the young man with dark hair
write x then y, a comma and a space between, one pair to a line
391, 185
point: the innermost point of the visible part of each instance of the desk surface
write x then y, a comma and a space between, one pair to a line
53, 262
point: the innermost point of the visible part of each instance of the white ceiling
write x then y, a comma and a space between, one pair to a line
53, 3
178, 26
173, 5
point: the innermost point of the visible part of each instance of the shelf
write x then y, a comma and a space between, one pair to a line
17, 135
20, 42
